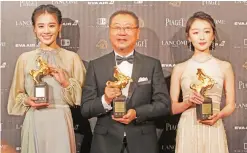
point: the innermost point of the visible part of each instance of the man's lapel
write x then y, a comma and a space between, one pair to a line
137, 66
111, 63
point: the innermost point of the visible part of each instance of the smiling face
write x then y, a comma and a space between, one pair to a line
201, 35
123, 33
46, 29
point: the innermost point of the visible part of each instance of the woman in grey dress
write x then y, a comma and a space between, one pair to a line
48, 126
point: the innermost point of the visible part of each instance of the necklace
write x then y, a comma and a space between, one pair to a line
49, 55
201, 58
52, 51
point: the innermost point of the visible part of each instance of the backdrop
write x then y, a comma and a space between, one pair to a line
85, 31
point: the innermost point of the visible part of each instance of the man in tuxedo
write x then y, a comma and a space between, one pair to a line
147, 95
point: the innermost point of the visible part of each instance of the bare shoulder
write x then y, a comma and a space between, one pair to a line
180, 67
224, 65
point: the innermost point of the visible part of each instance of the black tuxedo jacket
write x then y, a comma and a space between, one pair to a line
149, 98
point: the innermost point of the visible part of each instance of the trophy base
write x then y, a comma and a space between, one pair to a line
204, 110
119, 106
41, 92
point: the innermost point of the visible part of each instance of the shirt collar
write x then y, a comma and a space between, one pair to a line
132, 53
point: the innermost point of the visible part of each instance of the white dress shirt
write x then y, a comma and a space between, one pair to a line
126, 68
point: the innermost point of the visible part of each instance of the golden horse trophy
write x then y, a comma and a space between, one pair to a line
119, 103
40, 87
206, 83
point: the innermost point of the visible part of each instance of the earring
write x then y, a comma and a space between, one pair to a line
190, 46
60, 35
36, 39
213, 45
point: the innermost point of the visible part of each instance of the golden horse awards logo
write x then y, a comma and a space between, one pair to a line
102, 44
245, 65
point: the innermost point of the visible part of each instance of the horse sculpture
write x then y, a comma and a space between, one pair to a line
42, 71
122, 80
205, 84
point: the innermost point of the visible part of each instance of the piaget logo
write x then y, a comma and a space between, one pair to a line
142, 43
170, 127
175, 22
242, 84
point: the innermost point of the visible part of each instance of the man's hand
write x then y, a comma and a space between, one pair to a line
126, 119
111, 93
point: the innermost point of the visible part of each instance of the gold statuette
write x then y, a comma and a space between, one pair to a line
119, 103
40, 87
206, 83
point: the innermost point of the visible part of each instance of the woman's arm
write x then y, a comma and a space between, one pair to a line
229, 88
177, 107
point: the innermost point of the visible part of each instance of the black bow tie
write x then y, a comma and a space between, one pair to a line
120, 59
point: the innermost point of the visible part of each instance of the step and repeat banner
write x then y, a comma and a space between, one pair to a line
85, 31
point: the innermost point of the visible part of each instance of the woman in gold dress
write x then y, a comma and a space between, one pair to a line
202, 136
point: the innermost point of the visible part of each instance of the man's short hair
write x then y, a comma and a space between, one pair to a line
125, 12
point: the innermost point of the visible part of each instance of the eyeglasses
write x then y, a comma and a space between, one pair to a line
126, 29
